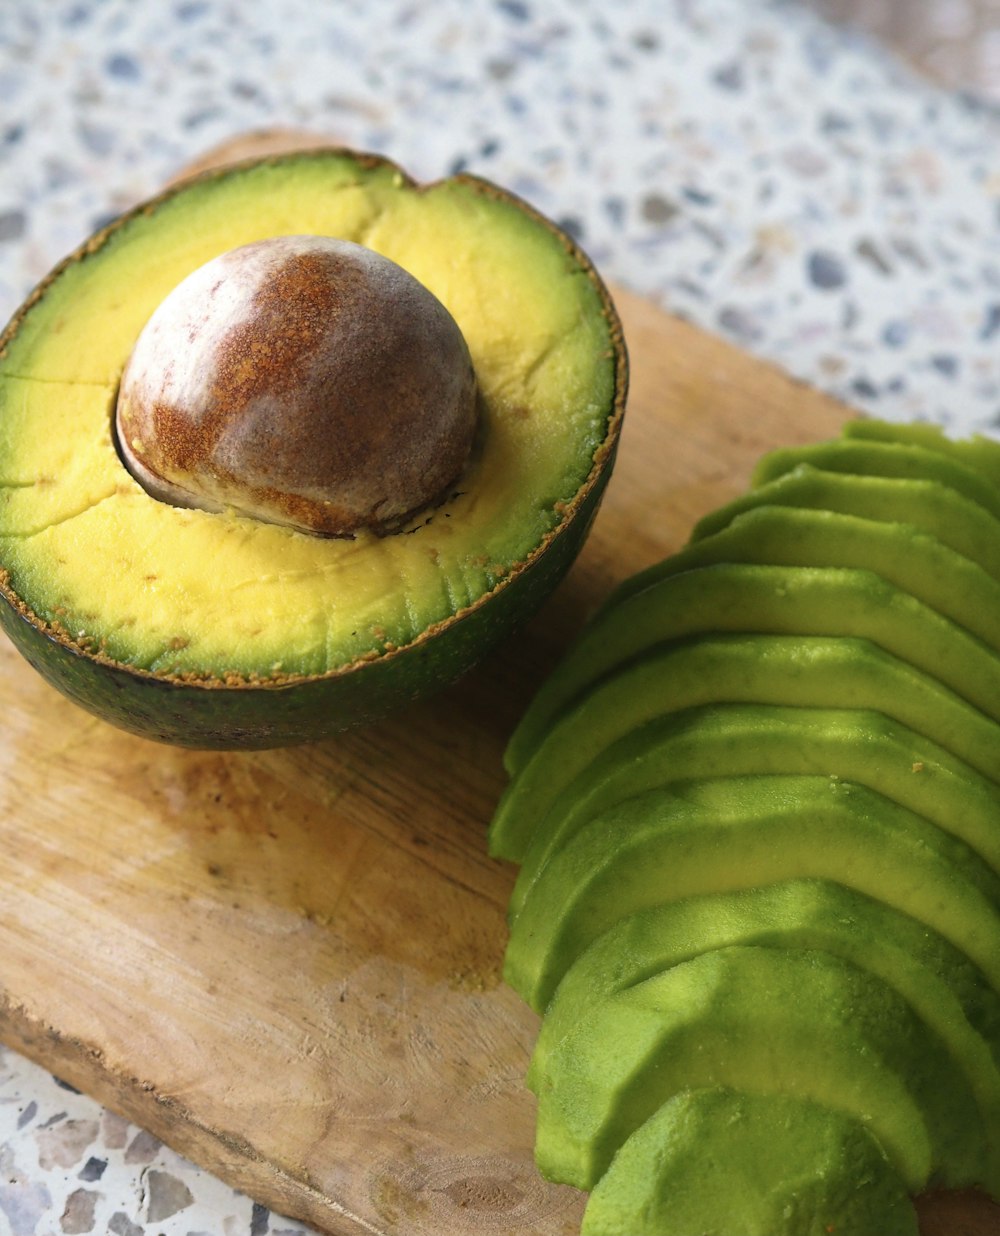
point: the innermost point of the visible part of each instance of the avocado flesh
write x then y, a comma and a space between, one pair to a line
799, 1022
979, 453
736, 832
763, 599
727, 740
724, 1163
217, 597
937, 510
946, 991
806, 671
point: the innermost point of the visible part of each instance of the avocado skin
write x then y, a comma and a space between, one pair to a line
246, 716
724, 1163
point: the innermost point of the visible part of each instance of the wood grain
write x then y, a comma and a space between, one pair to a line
287, 964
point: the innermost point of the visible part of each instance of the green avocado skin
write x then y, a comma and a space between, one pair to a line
247, 717
719, 1162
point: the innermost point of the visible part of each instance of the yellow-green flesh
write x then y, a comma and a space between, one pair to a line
188, 592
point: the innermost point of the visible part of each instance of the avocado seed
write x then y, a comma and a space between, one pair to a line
303, 381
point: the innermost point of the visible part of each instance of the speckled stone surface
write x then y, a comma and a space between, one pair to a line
779, 182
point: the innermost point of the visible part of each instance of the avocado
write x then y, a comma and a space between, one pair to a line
723, 740
889, 455
749, 597
935, 509
805, 671
947, 992
212, 627
720, 1162
976, 451
793, 1021
736, 832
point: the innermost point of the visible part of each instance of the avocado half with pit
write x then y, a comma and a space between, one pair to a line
295, 443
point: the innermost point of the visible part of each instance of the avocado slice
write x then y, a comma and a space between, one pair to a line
976, 451
724, 740
796, 1021
936, 509
721, 1162
736, 832
885, 456
750, 597
805, 671
216, 629
940, 984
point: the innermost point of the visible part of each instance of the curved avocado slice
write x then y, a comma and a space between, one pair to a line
804, 671
720, 1162
799, 1022
976, 451
216, 629
940, 984
936, 509
736, 832
895, 458
743, 739
763, 599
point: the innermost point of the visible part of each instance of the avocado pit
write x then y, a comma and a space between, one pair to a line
300, 380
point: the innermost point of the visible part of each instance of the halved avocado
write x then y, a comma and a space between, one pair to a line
218, 630
722, 1162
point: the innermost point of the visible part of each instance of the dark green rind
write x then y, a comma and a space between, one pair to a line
246, 716
724, 1163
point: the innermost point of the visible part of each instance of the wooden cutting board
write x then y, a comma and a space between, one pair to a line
287, 964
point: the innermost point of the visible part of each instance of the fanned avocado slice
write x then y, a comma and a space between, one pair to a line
799, 1022
976, 451
720, 1162
943, 987
727, 740
737, 832
936, 509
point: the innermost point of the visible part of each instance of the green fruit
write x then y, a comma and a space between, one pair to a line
213, 628
866, 747
791, 1021
737, 832
935, 509
747, 597
946, 991
977, 452
724, 1163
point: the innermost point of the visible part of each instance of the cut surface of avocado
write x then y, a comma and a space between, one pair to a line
728, 740
718, 1162
799, 1022
737, 832
937, 509
941, 985
977, 452
179, 592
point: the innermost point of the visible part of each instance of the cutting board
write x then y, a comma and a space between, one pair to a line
287, 965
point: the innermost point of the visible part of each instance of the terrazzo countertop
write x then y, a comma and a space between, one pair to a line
777, 181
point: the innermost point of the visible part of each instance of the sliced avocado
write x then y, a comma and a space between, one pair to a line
736, 832
805, 671
947, 992
977, 452
795, 1021
216, 629
936, 509
728, 740
719, 1162
892, 458
747, 597
913, 561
